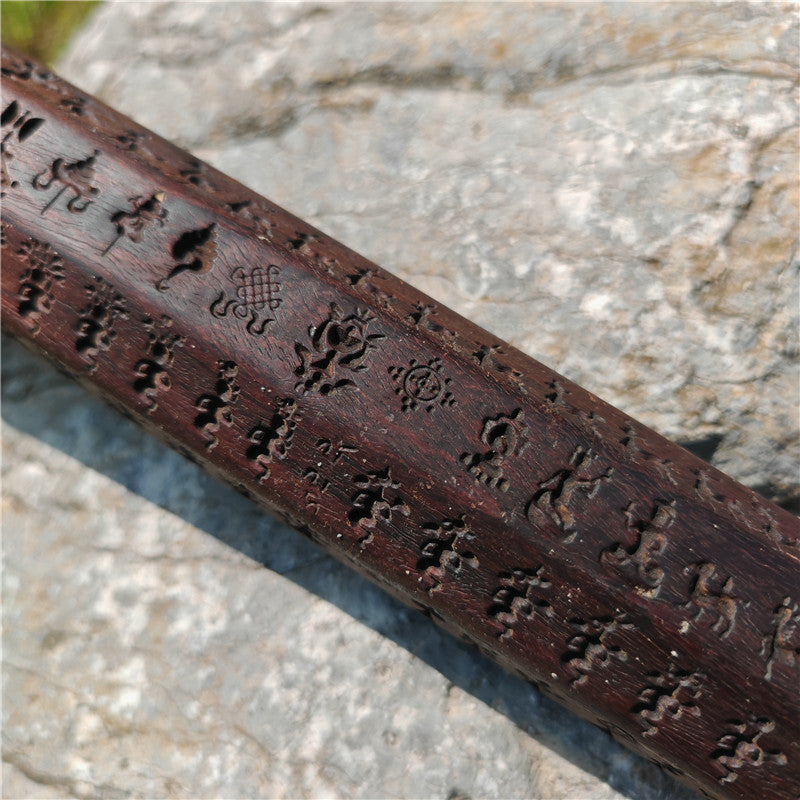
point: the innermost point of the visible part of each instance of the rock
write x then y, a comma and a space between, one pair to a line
610, 187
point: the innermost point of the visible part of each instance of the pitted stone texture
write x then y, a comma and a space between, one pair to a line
613, 188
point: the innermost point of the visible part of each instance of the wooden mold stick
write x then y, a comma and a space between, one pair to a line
621, 575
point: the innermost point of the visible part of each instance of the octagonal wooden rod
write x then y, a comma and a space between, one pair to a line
637, 585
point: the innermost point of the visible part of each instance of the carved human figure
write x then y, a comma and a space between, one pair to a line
782, 644
590, 648
95, 326
504, 435
445, 553
554, 494
151, 372
372, 502
216, 408
640, 558
518, 597
668, 696
271, 440
741, 747
36, 293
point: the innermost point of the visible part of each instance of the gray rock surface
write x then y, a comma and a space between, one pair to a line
611, 187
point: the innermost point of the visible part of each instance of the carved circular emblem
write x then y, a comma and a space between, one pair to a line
423, 384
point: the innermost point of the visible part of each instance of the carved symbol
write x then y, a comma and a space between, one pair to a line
668, 696
341, 344
302, 242
740, 747
630, 441
194, 251
23, 69
21, 127
272, 440
555, 397
133, 224
782, 644
255, 291
486, 356
421, 317
371, 503
75, 176
312, 475
360, 275
771, 528
516, 598
422, 385
195, 173
590, 648
713, 595
129, 140
326, 447
95, 327
444, 553
554, 493
505, 437
650, 542
244, 210
151, 371
216, 408
38, 281
74, 104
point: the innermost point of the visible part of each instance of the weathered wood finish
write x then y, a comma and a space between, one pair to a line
623, 576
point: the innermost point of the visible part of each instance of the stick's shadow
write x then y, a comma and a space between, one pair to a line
39, 401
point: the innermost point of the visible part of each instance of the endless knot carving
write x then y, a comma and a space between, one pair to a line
216, 408
38, 281
740, 747
96, 323
21, 126
445, 552
194, 251
151, 372
133, 224
710, 593
422, 385
505, 437
372, 502
255, 290
516, 598
668, 695
590, 648
651, 541
272, 440
782, 644
75, 176
341, 344
553, 495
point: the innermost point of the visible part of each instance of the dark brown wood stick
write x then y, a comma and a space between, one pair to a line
623, 576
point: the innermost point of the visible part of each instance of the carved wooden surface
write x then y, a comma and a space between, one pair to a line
619, 573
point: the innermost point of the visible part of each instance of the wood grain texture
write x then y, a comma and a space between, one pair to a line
623, 576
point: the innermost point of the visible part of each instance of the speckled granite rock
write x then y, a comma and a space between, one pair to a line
613, 188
